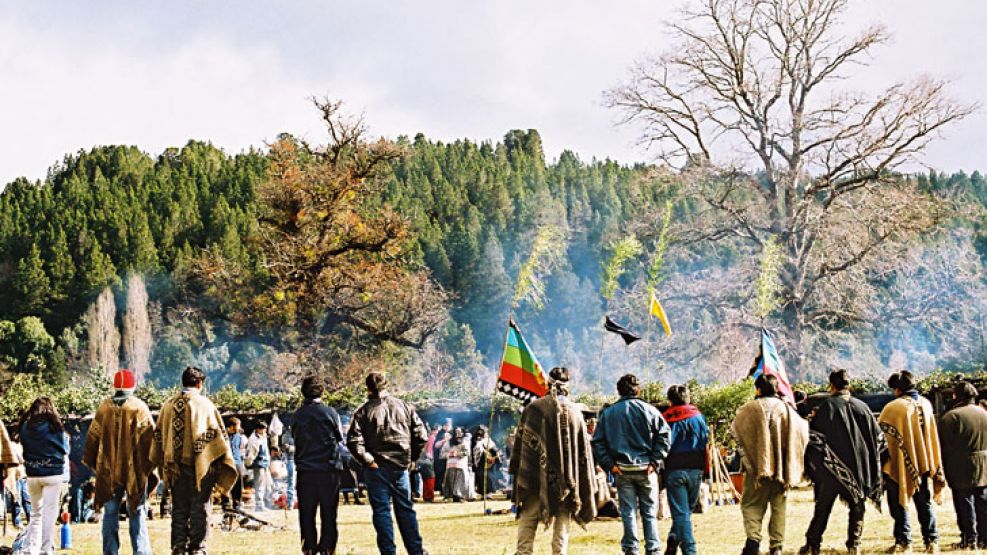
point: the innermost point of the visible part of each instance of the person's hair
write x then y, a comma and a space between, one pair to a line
312, 387
767, 384
376, 382
261, 426
232, 421
965, 392
678, 395
902, 380
193, 377
840, 379
42, 409
628, 385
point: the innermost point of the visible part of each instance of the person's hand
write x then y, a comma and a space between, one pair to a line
651, 468
616, 470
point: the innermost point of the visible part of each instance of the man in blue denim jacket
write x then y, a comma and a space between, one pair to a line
631, 441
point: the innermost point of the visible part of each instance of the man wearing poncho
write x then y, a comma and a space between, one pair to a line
772, 438
191, 448
117, 450
914, 466
844, 461
552, 467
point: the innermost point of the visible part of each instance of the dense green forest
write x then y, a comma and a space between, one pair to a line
72, 242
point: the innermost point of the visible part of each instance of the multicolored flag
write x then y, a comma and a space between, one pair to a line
769, 363
521, 376
657, 311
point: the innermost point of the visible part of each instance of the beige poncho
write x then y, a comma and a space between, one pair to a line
552, 460
909, 425
118, 449
773, 438
190, 432
8, 455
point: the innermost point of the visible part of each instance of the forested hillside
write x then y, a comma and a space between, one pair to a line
74, 245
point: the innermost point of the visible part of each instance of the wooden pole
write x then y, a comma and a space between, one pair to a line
493, 398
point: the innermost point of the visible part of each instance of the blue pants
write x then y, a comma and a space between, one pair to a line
682, 487
638, 491
140, 541
292, 479
923, 507
21, 506
384, 487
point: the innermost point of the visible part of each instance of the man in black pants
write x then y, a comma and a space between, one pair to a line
844, 461
317, 434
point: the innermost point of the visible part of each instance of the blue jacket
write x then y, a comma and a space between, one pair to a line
45, 449
690, 434
238, 442
631, 432
317, 436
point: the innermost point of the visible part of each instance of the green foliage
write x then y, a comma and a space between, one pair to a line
768, 284
547, 253
621, 252
720, 402
656, 271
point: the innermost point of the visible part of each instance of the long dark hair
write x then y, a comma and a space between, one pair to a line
42, 409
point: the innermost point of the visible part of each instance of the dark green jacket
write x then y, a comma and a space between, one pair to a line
963, 435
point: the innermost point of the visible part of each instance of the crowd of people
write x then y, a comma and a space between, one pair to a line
562, 468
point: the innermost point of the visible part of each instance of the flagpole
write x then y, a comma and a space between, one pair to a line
647, 347
493, 398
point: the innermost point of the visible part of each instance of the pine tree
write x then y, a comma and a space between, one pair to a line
32, 287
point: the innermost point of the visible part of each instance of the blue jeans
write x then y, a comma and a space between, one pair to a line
384, 487
682, 487
140, 541
638, 491
290, 494
22, 506
923, 507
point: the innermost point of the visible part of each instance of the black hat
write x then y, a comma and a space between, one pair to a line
559, 374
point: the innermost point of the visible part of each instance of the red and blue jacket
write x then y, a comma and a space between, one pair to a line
690, 434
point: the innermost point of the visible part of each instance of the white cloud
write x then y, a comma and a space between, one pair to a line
157, 77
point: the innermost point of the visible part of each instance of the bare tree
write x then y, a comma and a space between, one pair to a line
747, 104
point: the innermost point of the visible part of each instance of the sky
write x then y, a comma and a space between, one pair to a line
74, 75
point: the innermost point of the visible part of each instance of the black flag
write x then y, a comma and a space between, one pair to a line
628, 336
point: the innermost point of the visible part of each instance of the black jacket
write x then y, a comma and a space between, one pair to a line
963, 436
317, 435
387, 431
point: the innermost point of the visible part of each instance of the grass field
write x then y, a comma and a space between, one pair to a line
461, 529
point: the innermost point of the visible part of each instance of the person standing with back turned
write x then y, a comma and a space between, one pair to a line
552, 467
772, 438
386, 436
191, 449
118, 450
317, 434
843, 460
684, 467
913, 470
963, 433
631, 441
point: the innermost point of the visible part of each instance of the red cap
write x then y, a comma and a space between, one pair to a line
124, 379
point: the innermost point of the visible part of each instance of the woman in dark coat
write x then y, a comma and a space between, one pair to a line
46, 450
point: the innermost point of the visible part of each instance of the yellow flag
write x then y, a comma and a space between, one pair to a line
658, 312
